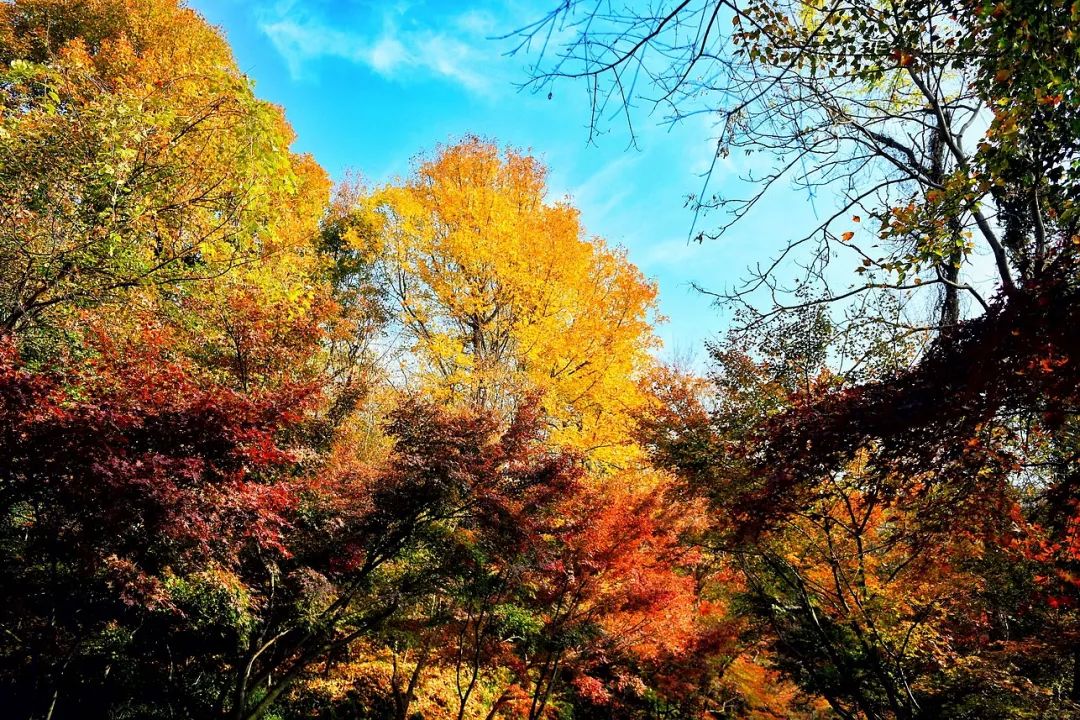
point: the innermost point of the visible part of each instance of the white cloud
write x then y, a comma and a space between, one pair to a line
602, 194
397, 49
387, 54
477, 22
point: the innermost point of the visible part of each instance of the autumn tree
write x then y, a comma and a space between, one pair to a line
134, 155
396, 536
500, 293
888, 585
172, 300
133, 498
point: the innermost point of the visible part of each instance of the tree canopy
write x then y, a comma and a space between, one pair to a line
501, 294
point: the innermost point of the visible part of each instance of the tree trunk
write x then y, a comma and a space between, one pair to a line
1074, 691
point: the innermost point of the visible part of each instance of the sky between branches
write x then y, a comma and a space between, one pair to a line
368, 84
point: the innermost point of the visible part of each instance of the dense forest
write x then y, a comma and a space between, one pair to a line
277, 447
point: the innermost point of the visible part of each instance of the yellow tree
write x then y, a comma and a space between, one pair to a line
500, 294
133, 154
141, 180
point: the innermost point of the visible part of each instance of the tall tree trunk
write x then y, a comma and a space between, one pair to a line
949, 267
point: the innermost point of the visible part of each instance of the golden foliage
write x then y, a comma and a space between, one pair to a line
502, 295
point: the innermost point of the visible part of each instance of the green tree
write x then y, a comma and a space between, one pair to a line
133, 153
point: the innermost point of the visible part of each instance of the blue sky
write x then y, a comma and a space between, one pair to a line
367, 85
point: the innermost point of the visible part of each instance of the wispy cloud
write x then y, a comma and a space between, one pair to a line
390, 42
671, 253
601, 194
